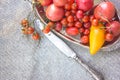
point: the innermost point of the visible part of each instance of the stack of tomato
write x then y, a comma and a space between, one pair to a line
76, 17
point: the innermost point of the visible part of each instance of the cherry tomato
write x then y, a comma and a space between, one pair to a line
67, 13
78, 24
25, 31
70, 18
73, 31
71, 24
30, 30
71, 1
73, 11
92, 17
109, 37
87, 25
79, 14
74, 6
35, 36
84, 39
51, 24
87, 31
85, 18
24, 22
46, 29
95, 22
64, 22
81, 30
58, 26
75, 18
67, 6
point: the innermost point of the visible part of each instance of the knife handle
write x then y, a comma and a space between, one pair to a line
96, 75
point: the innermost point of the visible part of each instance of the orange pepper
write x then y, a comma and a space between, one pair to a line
97, 38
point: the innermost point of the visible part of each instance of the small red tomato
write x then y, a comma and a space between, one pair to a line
25, 31
35, 36
70, 18
87, 31
73, 11
75, 18
30, 30
51, 24
74, 6
95, 22
73, 31
92, 17
109, 37
84, 39
71, 1
58, 26
79, 14
46, 29
67, 13
67, 6
64, 22
86, 18
78, 24
87, 25
81, 30
70, 24
24, 22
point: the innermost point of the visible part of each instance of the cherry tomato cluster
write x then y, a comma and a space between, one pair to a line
27, 30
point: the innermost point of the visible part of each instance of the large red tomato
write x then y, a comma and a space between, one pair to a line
85, 5
54, 13
105, 10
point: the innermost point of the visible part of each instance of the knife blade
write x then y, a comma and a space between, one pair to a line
66, 50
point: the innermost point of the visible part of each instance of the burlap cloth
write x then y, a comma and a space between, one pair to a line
21, 58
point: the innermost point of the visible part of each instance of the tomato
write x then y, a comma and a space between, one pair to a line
74, 6
24, 31
70, 18
60, 3
105, 11
30, 30
46, 29
67, 13
81, 30
54, 13
86, 18
87, 31
45, 2
35, 36
78, 24
67, 6
92, 17
71, 1
73, 31
24, 22
87, 25
109, 37
95, 22
51, 24
64, 22
58, 26
71, 24
79, 14
84, 39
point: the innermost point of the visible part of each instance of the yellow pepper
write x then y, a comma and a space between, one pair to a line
97, 38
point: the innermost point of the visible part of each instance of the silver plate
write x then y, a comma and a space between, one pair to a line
108, 47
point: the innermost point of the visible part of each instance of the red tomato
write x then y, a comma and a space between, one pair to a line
95, 22
47, 29
67, 6
105, 10
30, 30
58, 26
86, 18
70, 18
74, 6
64, 22
84, 39
109, 37
73, 31
71, 1
35, 36
60, 3
78, 24
45, 2
24, 22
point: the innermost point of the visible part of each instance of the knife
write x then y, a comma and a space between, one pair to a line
66, 50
